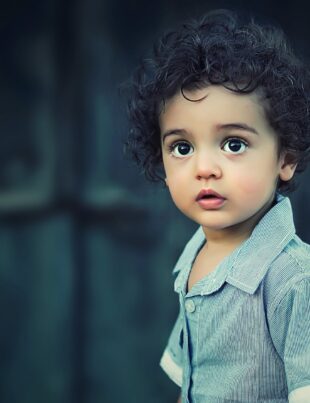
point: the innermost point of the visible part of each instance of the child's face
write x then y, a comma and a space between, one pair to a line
220, 144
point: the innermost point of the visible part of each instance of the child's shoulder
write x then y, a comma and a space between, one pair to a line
293, 263
288, 274
297, 255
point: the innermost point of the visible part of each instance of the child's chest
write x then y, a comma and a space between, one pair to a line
225, 321
226, 342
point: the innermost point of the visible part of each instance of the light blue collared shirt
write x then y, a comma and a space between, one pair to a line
243, 332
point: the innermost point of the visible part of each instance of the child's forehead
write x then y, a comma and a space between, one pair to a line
214, 102
216, 93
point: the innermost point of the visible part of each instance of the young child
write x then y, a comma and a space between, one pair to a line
221, 113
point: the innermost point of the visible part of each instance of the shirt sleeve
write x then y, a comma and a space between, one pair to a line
290, 331
171, 360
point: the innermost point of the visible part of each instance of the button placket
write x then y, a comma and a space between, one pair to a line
190, 306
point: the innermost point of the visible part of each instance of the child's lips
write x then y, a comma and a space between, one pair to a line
208, 199
209, 193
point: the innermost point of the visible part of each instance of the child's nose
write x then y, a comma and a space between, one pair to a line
207, 166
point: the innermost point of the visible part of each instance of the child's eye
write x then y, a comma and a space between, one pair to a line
235, 146
181, 149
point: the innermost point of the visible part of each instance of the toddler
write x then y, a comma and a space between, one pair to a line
220, 113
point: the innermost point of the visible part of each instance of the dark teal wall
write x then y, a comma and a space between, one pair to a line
87, 246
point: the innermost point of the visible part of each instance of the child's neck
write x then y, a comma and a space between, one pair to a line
219, 245
225, 240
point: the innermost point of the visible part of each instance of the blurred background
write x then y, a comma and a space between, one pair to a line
87, 246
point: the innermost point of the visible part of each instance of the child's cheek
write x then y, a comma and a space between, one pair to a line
256, 186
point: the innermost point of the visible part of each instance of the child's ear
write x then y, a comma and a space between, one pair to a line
287, 167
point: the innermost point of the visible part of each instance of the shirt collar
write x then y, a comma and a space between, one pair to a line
248, 264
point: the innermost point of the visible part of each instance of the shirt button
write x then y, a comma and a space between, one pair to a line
190, 306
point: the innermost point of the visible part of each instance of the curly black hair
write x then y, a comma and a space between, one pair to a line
219, 50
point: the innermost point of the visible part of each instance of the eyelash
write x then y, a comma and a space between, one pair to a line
173, 146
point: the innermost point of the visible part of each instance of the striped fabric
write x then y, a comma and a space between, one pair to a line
243, 331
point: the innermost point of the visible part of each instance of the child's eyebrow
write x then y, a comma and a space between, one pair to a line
237, 126
227, 126
173, 132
